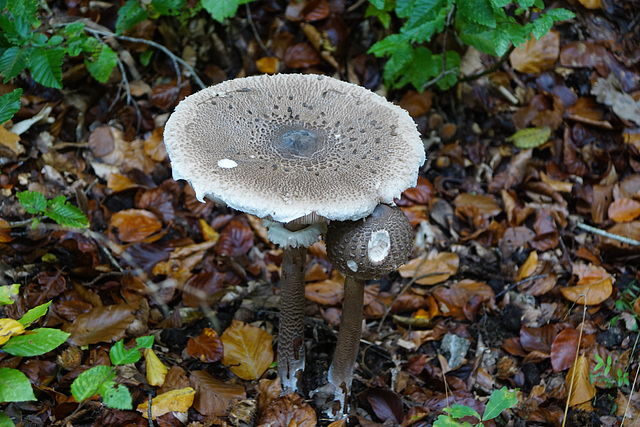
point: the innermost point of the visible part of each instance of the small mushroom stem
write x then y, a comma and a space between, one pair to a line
291, 330
344, 357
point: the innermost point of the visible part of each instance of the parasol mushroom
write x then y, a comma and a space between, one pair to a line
296, 150
361, 250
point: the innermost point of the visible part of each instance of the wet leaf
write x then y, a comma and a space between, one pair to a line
171, 401
214, 395
563, 349
207, 346
102, 324
248, 350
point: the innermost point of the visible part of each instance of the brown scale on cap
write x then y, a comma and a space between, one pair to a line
372, 247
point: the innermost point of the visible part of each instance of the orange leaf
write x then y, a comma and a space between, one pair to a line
171, 401
623, 210
207, 346
101, 324
268, 64
134, 225
563, 349
327, 292
529, 267
486, 205
5, 231
594, 286
534, 55
434, 270
582, 390
248, 350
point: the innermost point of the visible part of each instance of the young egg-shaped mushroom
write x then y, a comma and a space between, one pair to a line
296, 150
362, 250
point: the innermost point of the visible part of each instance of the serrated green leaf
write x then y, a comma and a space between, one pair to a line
541, 26
167, 7
378, 4
36, 342
5, 421
46, 66
499, 401
89, 382
530, 137
8, 294
15, 386
116, 396
13, 61
9, 105
103, 65
461, 411
477, 11
32, 201
66, 214
34, 314
145, 341
446, 421
122, 356
130, 15
222, 9
560, 14
74, 29
23, 9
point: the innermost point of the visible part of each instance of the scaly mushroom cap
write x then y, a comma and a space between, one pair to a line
294, 147
371, 247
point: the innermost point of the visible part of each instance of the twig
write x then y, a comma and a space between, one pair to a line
255, 30
594, 230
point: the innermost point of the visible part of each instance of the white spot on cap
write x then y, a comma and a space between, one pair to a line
352, 265
378, 246
227, 163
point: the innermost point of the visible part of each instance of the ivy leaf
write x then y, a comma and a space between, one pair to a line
9, 105
33, 202
130, 15
103, 65
35, 343
89, 382
46, 66
15, 386
498, 402
66, 214
13, 61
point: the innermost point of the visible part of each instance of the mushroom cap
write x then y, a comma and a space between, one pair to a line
370, 247
294, 147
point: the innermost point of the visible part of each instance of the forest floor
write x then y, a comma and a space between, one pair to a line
520, 275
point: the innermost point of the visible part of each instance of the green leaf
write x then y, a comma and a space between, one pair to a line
36, 342
15, 386
530, 137
74, 29
104, 64
46, 66
446, 421
32, 201
5, 421
378, 4
498, 402
13, 61
116, 396
130, 15
122, 356
167, 7
66, 214
34, 314
90, 381
460, 411
222, 9
478, 11
9, 105
8, 294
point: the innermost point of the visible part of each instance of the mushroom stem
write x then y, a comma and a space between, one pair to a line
344, 357
291, 329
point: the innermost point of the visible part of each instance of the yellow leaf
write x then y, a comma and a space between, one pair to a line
208, 233
248, 350
9, 328
156, 371
529, 267
434, 270
172, 401
530, 137
582, 390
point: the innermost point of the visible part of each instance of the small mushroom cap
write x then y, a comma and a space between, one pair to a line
371, 247
292, 147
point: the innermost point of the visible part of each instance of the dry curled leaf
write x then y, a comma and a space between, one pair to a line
623, 210
433, 270
288, 411
248, 350
534, 55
